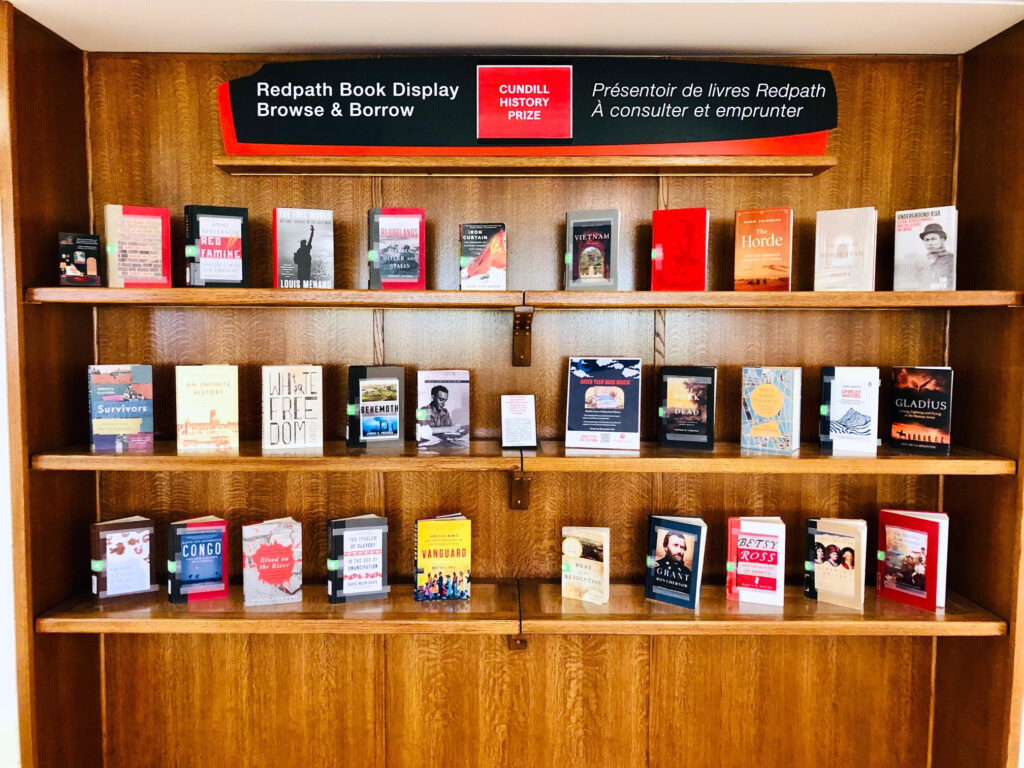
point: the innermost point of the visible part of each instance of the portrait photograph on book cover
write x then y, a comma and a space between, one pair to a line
835, 563
673, 559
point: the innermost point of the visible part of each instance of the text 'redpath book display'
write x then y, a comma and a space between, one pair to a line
835, 563
375, 397
755, 560
122, 558
442, 409
770, 419
121, 408
922, 409
293, 417
398, 248
482, 257
592, 250
197, 559
912, 550
303, 248
138, 246
679, 249
848, 423
207, 408
675, 559
603, 403
925, 250
357, 558
686, 416
518, 421
216, 246
764, 249
272, 562
585, 564
443, 554
79, 259
844, 250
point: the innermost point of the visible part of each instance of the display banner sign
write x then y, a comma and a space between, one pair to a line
589, 105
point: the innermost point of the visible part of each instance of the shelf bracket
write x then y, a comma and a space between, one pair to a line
522, 327
519, 490
516, 642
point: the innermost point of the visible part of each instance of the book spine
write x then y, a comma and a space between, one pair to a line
809, 588
191, 264
98, 564
730, 558
277, 278
174, 594
335, 562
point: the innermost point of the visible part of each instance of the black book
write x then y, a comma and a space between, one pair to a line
357, 558
80, 262
922, 409
376, 395
828, 375
216, 246
686, 414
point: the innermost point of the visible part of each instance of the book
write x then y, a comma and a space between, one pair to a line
518, 421
272, 562
922, 409
207, 408
293, 418
79, 259
216, 246
764, 249
912, 557
122, 558
755, 560
197, 559
585, 566
835, 562
679, 249
591, 250
482, 257
603, 403
844, 250
675, 559
770, 417
442, 558
121, 408
925, 249
686, 416
357, 558
398, 248
376, 394
303, 248
849, 410
138, 246
442, 409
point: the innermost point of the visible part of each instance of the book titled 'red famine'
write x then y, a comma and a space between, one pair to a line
138, 246
764, 249
272, 562
197, 559
303, 248
121, 408
207, 412
922, 409
216, 246
679, 249
443, 554
398, 248
482, 257
293, 407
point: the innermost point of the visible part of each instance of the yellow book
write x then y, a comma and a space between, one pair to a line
443, 548
207, 408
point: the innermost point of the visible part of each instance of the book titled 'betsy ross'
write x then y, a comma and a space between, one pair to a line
764, 249
912, 557
442, 558
686, 416
303, 248
216, 246
79, 259
679, 249
376, 394
122, 558
272, 562
925, 250
585, 565
482, 257
835, 564
207, 408
675, 559
844, 250
357, 558
397, 248
603, 403
755, 560
121, 408
197, 559
770, 419
922, 409
293, 408
849, 410
442, 409
138, 246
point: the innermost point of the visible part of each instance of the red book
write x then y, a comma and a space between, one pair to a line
764, 249
912, 557
679, 253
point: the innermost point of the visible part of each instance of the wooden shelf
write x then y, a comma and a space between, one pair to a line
481, 165
492, 610
727, 458
336, 457
769, 300
629, 613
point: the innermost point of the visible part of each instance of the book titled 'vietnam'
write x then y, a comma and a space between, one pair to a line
443, 553
121, 408
922, 409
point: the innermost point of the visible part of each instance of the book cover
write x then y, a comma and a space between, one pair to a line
138, 246
207, 408
603, 403
357, 558
675, 559
686, 416
79, 259
398, 248
375, 397
121, 408
922, 409
755, 560
303, 248
272, 562
764, 249
591, 250
834, 567
679, 249
442, 559
585, 566
482, 257
122, 558
770, 414
849, 410
844, 250
925, 250
442, 409
293, 417
216, 246
912, 557
197, 560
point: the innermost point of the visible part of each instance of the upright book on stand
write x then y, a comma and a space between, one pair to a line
442, 409
443, 558
122, 558
303, 248
197, 559
138, 246
79, 259
912, 550
357, 558
603, 403
591, 250
397, 248
755, 560
376, 394
835, 563
679, 249
207, 408
764, 249
293, 418
849, 410
770, 418
686, 415
925, 249
272, 562
844, 250
482, 257
121, 408
216, 246
585, 563
675, 559
922, 409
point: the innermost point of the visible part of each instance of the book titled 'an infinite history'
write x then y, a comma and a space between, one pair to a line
207, 408
303, 248
121, 408
603, 403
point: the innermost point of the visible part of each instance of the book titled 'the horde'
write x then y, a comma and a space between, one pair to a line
216, 246
912, 550
844, 250
197, 559
585, 564
755, 560
79, 259
443, 558
482, 257
442, 409
303, 248
764, 249
207, 408
397, 248
357, 558
679, 249
835, 563
770, 419
686, 416
591, 250
922, 409
272, 562
376, 394
293, 417
675, 559
121, 408
138, 246
122, 558
603, 403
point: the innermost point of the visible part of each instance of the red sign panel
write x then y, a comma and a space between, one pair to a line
524, 102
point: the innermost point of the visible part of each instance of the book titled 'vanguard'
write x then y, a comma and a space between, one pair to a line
771, 410
197, 559
272, 562
303, 248
121, 408
922, 408
675, 559
357, 558
443, 555
603, 403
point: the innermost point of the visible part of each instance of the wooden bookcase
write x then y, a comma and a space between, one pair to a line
514, 677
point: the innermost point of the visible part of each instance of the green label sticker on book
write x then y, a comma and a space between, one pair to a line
96, 565
421, 414
332, 565
651, 562
808, 565
730, 567
566, 567
823, 410
654, 253
464, 261
568, 258
111, 248
172, 567
881, 554
351, 410
371, 256
661, 413
191, 251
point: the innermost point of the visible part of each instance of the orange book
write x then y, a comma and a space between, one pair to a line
764, 249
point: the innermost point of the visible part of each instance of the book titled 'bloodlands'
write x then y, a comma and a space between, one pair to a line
357, 558
679, 249
197, 560
482, 257
216, 246
764, 249
121, 408
303, 248
922, 409
443, 555
398, 248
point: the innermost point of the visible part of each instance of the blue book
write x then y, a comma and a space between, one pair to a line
771, 410
121, 408
675, 560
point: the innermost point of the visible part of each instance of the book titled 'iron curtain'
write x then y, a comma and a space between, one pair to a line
121, 408
482, 257
922, 409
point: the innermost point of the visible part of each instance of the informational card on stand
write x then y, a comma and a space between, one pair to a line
518, 421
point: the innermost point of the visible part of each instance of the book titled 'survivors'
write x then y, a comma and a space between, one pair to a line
122, 558
764, 249
121, 408
197, 559
303, 248
138, 246
357, 558
922, 408
442, 559
216, 246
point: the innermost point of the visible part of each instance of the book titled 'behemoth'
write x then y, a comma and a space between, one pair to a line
138, 246
397, 248
293, 418
121, 408
585, 565
272, 562
912, 557
764, 249
357, 558
442, 558
922, 409
844, 250
482, 257
376, 394
686, 416
675, 559
79, 259
849, 410
122, 558
679, 249
603, 403
207, 408
303, 248
442, 409
197, 559
835, 564
755, 560
216, 246
925, 249
591, 250
770, 419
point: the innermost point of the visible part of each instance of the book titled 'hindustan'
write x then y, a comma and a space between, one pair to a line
912, 557
482, 257
138, 246
442, 558
207, 408
293, 417
925, 249
686, 416
272, 562
442, 409
197, 559
679, 249
357, 558
303, 248
216, 246
585, 565
844, 250
922, 409
835, 564
121, 408
603, 403
675, 559
376, 394
764, 249
397, 248
770, 419
122, 558
849, 410
755, 560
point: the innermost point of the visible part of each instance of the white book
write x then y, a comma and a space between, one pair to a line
272, 562
442, 409
293, 408
925, 250
756, 566
853, 411
844, 250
